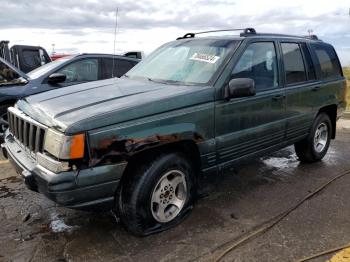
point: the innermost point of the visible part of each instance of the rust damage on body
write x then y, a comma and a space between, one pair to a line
117, 149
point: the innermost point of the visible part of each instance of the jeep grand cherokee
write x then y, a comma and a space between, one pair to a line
141, 144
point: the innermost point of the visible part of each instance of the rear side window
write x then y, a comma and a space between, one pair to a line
31, 58
311, 75
120, 67
293, 63
327, 61
107, 68
123, 66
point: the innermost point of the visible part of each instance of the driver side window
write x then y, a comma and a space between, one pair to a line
80, 71
259, 63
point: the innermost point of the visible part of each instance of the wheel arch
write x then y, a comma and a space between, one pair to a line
331, 111
188, 148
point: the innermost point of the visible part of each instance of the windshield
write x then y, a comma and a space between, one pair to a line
38, 72
191, 61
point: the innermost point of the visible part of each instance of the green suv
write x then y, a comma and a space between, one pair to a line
142, 144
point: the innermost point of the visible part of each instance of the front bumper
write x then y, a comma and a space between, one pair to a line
82, 189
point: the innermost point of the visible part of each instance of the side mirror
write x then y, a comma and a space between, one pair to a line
240, 87
57, 78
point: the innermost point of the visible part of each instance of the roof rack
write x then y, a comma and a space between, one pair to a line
246, 31
312, 37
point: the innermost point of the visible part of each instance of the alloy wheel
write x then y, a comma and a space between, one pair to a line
321, 137
169, 196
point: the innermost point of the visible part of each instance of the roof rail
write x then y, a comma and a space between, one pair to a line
312, 37
246, 31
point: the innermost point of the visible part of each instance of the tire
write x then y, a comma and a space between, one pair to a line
156, 195
315, 146
3, 120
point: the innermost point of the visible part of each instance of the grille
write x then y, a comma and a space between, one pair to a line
27, 131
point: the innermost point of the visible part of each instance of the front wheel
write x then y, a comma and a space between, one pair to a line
315, 146
157, 195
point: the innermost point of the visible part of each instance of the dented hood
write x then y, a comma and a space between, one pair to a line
4, 63
101, 103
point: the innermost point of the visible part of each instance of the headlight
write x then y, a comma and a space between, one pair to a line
64, 147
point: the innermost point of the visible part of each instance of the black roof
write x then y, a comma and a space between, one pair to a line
108, 55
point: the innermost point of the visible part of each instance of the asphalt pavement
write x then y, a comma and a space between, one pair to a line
33, 228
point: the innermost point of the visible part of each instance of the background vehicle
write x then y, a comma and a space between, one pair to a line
26, 58
56, 56
130, 54
142, 144
135, 54
67, 71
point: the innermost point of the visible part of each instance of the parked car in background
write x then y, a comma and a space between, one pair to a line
66, 71
135, 54
56, 56
25, 57
130, 54
143, 143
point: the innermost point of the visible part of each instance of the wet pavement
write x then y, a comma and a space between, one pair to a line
35, 229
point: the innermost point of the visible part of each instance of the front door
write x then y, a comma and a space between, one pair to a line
249, 126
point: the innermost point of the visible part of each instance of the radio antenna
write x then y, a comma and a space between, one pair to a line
115, 41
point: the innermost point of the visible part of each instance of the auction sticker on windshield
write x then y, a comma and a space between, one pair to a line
205, 58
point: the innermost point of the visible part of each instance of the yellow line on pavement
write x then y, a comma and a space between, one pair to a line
3, 162
341, 256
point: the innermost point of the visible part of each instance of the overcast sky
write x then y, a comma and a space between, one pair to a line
88, 25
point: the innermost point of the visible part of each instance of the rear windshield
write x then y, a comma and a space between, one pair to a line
328, 62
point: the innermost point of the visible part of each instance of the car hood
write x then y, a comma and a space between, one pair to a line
97, 104
13, 68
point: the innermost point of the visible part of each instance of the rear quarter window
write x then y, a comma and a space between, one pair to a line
327, 61
123, 66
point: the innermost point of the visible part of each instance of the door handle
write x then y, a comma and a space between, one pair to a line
278, 97
316, 88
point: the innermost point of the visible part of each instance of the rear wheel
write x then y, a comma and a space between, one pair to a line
315, 146
157, 195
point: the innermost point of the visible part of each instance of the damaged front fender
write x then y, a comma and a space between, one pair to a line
107, 147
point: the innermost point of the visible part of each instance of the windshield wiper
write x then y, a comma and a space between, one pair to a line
155, 80
161, 81
173, 82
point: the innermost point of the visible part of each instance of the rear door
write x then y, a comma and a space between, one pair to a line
330, 89
249, 126
300, 85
